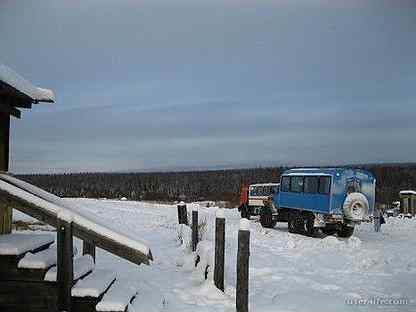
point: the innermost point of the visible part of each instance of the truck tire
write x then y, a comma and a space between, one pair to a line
345, 231
355, 206
295, 222
245, 212
291, 223
309, 228
329, 230
266, 220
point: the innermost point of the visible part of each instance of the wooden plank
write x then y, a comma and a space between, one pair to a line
6, 211
83, 233
111, 245
28, 208
65, 263
88, 248
10, 110
10, 271
4, 140
6, 219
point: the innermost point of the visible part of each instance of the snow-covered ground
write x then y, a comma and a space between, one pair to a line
288, 272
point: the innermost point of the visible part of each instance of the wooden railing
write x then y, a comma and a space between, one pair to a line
57, 212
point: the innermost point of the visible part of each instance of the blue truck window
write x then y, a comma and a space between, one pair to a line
324, 185
311, 185
296, 184
285, 184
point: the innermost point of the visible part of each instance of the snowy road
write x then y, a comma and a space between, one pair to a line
288, 272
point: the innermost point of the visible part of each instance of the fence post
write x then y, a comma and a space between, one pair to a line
65, 269
219, 249
88, 248
194, 226
182, 213
243, 266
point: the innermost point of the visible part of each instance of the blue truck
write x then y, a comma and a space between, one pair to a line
321, 200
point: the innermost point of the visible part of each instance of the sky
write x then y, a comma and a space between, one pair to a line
160, 85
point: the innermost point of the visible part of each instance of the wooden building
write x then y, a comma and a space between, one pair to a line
15, 93
408, 202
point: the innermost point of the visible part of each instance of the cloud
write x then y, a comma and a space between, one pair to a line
147, 85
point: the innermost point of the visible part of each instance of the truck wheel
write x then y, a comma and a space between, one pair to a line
291, 223
329, 230
308, 227
345, 231
295, 223
245, 213
266, 220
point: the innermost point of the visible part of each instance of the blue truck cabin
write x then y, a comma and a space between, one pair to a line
324, 190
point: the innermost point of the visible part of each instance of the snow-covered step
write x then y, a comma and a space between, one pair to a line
40, 260
17, 243
82, 265
118, 297
94, 284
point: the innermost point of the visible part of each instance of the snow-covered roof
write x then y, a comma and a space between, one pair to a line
11, 78
407, 192
265, 184
301, 174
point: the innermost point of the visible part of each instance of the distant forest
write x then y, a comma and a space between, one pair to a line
213, 185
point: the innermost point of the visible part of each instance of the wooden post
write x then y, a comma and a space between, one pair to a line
88, 248
65, 273
194, 227
243, 266
219, 249
6, 211
182, 213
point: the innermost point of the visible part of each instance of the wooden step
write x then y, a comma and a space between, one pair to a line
41, 260
90, 290
17, 244
13, 248
82, 266
118, 297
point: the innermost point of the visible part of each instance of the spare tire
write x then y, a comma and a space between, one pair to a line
355, 207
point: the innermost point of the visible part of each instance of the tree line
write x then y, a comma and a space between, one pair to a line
213, 185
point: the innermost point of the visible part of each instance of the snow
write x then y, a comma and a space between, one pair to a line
82, 265
65, 215
307, 174
408, 192
205, 251
288, 272
69, 211
11, 78
40, 260
118, 297
18, 243
94, 284
244, 225
195, 207
220, 213
185, 235
20, 216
